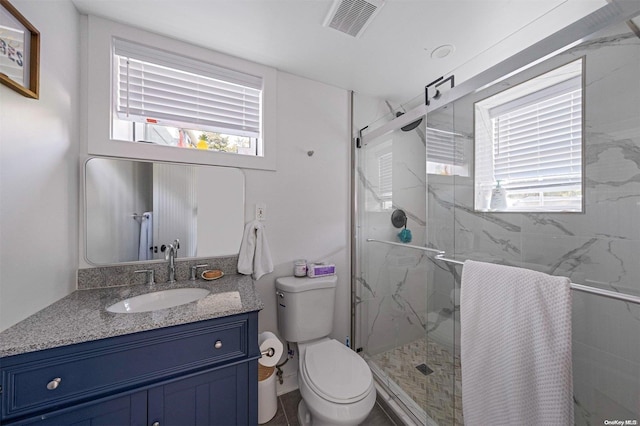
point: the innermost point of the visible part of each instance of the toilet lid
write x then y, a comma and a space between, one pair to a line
336, 373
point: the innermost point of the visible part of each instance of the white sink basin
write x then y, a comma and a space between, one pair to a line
158, 300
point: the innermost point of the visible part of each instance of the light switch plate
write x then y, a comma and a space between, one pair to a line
261, 211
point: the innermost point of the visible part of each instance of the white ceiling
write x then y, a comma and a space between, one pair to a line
391, 60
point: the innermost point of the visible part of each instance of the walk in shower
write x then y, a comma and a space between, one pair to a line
407, 324
406, 298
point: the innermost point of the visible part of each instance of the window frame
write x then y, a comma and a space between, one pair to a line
479, 192
97, 113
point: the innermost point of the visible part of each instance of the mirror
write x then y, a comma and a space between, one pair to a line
134, 208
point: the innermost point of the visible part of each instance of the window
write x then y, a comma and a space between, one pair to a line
385, 180
446, 153
166, 99
529, 142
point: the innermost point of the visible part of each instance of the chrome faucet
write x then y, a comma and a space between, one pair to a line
170, 254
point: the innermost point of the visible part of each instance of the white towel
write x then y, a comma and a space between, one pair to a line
254, 257
146, 237
515, 348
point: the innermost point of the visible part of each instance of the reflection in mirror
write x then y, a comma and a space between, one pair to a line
135, 208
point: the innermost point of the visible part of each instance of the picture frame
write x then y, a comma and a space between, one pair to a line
19, 52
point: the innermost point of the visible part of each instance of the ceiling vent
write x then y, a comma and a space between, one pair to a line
352, 16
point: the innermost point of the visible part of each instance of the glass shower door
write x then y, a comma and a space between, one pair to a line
448, 153
396, 278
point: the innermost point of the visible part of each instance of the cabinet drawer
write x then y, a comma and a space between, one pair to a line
88, 371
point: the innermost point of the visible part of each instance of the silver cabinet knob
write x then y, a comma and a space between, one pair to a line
155, 424
218, 344
54, 383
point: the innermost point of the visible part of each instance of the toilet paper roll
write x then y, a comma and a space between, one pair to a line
455, 296
267, 340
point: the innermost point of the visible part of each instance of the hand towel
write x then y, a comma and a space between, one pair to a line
515, 348
254, 257
146, 237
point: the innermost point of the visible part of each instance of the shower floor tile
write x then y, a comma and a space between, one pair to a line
433, 392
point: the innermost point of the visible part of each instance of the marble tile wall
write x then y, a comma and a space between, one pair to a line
393, 291
599, 247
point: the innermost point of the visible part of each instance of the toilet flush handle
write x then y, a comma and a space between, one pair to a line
280, 294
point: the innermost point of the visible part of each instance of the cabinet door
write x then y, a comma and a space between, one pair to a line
124, 410
218, 397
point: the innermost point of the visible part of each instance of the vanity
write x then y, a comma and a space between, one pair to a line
144, 340
74, 362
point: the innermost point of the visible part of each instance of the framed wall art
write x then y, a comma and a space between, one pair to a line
19, 52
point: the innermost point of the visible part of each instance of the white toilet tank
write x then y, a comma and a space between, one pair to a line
305, 307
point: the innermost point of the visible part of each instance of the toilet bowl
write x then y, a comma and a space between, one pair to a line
335, 383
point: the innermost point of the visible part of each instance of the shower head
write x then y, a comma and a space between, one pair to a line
409, 126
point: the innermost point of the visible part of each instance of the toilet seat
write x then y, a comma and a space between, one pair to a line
336, 373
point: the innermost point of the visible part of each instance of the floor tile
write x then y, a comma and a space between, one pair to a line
280, 419
378, 417
287, 414
290, 402
438, 391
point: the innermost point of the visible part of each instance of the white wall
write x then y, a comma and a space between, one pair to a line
39, 171
307, 198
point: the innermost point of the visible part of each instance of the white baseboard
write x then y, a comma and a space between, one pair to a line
290, 383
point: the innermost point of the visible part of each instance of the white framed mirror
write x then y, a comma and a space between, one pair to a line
133, 208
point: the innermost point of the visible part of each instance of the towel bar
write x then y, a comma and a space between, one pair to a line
428, 249
580, 287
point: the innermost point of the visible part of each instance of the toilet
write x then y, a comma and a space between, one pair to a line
336, 384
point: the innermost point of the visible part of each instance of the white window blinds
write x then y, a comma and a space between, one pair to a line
154, 86
442, 147
537, 140
385, 176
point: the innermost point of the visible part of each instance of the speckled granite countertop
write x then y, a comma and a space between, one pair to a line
82, 316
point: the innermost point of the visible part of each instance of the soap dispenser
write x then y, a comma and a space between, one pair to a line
498, 198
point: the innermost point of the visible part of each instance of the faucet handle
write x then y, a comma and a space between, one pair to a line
150, 275
194, 270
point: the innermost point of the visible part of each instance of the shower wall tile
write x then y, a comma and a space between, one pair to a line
600, 262
390, 326
393, 280
601, 375
612, 95
614, 329
409, 176
614, 165
608, 214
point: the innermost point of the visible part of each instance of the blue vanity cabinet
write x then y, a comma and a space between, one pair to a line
123, 410
198, 373
214, 398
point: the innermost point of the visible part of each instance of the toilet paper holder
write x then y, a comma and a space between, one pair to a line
270, 349
268, 352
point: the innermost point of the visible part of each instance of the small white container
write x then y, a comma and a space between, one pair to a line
267, 398
498, 198
300, 268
